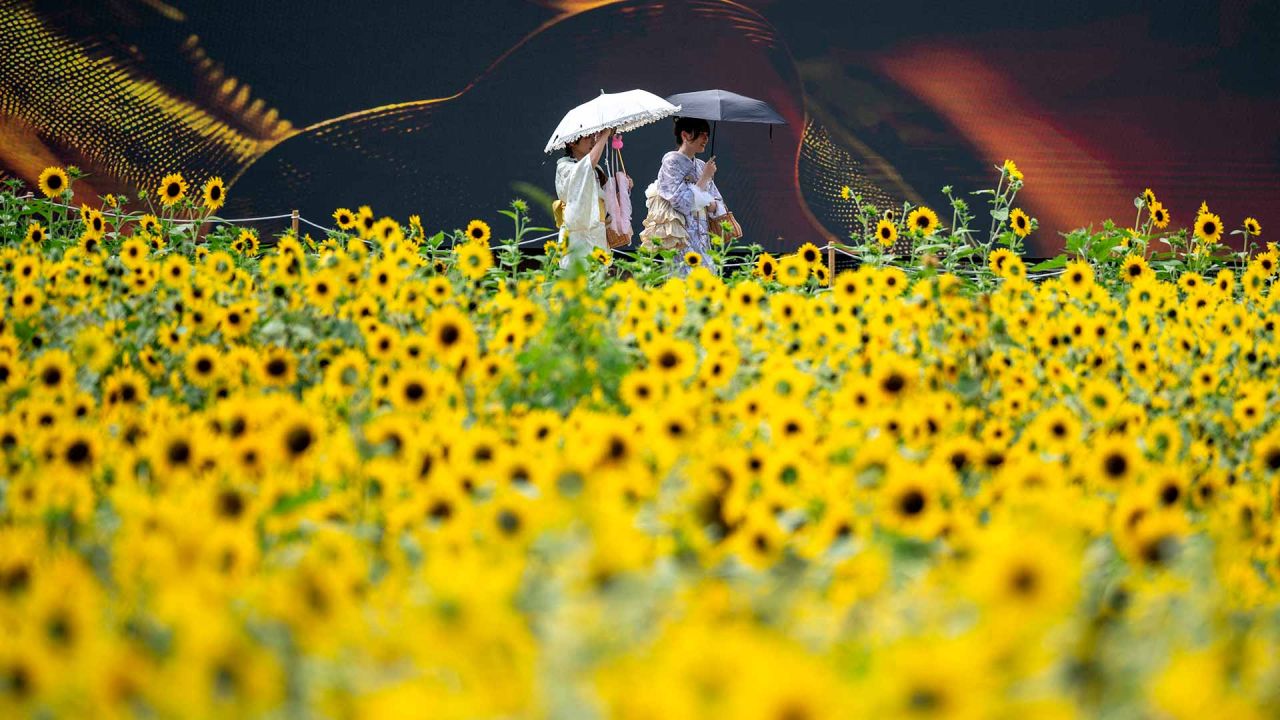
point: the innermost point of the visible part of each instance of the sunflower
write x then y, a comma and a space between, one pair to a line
95, 226
1225, 281
1159, 216
54, 371
999, 259
1266, 454
1252, 227
473, 259
1025, 574
478, 232
1078, 276
298, 435
821, 274
1135, 268
54, 182
846, 192
150, 224
125, 386
79, 450
886, 233
1149, 197
172, 189
922, 221
344, 218
1209, 227
766, 266
214, 193
671, 358
278, 367
411, 389
246, 243
910, 504
1191, 282
35, 234
451, 334
810, 253
793, 271
1114, 460
1020, 223
1011, 168
365, 221
693, 259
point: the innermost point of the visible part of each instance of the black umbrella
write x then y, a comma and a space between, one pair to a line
717, 105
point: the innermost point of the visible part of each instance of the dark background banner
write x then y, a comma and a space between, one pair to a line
442, 109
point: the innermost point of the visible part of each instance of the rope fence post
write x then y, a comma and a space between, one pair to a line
293, 221
831, 257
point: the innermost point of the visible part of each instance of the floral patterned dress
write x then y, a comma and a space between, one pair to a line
677, 184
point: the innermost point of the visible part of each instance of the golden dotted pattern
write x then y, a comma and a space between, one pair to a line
825, 168
91, 108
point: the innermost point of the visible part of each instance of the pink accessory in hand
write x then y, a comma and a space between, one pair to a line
617, 142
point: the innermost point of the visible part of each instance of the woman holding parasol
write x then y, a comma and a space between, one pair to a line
580, 189
583, 189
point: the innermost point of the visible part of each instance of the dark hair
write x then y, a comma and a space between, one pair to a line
693, 126
600, 176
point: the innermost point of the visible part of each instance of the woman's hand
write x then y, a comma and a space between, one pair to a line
708, 174
601, 140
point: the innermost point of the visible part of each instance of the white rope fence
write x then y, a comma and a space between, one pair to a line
838, 248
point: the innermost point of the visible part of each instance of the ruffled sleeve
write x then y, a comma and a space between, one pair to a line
675, 187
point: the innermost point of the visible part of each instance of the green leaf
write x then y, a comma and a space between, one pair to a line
1000, 215
1104, 247
1051, 264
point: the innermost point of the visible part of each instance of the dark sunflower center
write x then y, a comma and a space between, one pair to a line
509, 522
230, 504
617, 448
78, 453
298, 440
449, 335
179, 452
1024, 581
277, 367
1272, 459
912, 503
894, 383
1115, 465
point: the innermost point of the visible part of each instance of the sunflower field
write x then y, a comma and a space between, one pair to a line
387, 473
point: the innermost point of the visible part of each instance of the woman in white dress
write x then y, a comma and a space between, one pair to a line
580, 188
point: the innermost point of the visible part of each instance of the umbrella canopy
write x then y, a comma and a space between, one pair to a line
622, 112
724, 106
